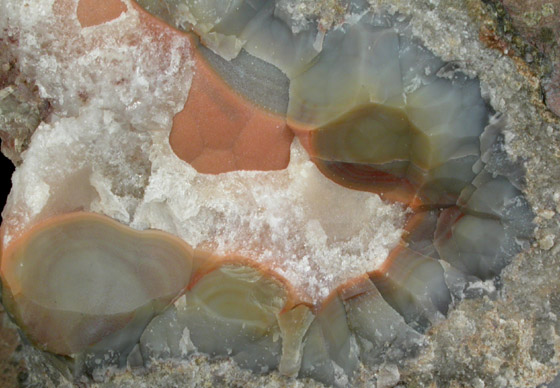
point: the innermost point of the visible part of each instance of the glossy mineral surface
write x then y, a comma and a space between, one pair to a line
364, 96
77, 279
312, 254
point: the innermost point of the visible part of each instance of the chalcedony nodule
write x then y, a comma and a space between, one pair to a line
318, 124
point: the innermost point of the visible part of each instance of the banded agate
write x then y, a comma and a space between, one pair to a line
82, 282
365, 98
378, 114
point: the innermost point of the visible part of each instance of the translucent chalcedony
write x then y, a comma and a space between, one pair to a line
370, 104
82, 281
376, 112
219, 130
384, 110
236, 309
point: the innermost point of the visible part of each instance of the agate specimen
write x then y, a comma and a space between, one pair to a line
83, 281
332, 190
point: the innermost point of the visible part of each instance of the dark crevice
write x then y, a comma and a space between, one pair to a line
7, 168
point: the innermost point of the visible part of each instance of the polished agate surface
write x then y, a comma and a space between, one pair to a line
243, 183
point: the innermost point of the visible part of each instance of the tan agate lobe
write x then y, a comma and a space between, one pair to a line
74, 280
287, 320
234, 307
233, 310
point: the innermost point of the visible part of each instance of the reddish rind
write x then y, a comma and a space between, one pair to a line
95, 12
367, 178
220, 131
445, 223
304, 134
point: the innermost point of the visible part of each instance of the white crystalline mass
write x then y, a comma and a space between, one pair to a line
119, 65
310, 230
108, 85
79, 163
114, 91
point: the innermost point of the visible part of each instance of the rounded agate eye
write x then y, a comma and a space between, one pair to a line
76, 281
233, 310
366, 122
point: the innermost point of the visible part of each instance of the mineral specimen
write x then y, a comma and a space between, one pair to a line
310, 255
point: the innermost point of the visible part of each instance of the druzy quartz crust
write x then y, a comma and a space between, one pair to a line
375, 206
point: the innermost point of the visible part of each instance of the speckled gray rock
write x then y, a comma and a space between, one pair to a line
533, 27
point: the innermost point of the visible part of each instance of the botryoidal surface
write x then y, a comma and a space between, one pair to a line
505, 338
